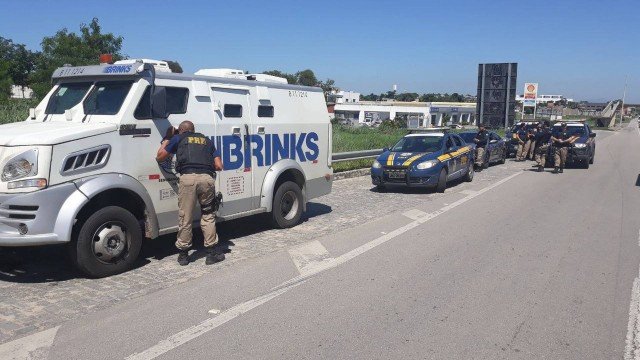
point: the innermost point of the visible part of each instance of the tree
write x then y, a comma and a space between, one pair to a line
306, 78
21, 61
406, 97
5, 81
329, 86
291, 79
174, 66
76, 49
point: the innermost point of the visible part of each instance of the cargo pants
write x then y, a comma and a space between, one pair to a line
479, 156
195, 188
560, 156
532, 150
529, 145
520, 153
541, 155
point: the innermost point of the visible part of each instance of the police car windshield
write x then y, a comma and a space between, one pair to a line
418, 144
66, 97
571, 130
468, 137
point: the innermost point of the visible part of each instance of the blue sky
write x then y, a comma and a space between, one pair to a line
581, 49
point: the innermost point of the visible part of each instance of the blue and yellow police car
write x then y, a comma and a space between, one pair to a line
424, 160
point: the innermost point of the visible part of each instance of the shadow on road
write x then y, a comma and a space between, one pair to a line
43, 264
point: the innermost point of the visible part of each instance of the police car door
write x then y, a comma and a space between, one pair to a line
451, 148
233, 123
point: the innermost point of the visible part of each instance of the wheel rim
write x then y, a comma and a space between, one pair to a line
289, 205
110, 242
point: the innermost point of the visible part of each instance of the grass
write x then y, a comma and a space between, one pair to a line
14, 110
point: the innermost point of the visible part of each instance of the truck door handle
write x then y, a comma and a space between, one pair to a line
236, 130
260, 130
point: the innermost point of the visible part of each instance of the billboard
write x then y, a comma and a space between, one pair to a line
496, 94
530, 91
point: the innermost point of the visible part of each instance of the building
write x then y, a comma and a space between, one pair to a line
543, 99
417, 114
20, 92
341, 97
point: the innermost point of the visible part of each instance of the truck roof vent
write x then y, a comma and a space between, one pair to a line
86, 160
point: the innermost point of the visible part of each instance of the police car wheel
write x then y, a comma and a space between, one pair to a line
107, 243
592, 158
468, 177
503, 159
442, 181
287, 205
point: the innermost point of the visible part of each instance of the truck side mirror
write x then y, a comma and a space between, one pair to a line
159, 103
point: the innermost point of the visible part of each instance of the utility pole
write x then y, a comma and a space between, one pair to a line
624, 94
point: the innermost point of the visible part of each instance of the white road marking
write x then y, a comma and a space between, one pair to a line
195, 331
414, 214
632, 347
308, 255
33, 347
214, 311
468, 192
638, 237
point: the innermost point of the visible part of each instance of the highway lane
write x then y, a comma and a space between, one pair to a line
536, 266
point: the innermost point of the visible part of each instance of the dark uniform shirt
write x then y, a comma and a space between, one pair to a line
482, 137
543, 136
522, 134
563, 135
199, 152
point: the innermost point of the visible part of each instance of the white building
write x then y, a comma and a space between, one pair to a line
418, 114
19, 92
341, 97
543, 99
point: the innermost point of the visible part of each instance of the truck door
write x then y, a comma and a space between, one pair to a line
233, 129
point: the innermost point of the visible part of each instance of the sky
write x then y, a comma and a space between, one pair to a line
580, 49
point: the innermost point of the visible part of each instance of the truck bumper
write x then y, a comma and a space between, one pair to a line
29, 219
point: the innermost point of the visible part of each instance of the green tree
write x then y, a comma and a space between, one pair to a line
5, 81
21, 61
406, 97
291, 79
306, 78
174, 66
75, 49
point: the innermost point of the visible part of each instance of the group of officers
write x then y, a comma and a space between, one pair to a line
532, 142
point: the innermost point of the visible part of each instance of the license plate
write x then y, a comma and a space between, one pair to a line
396, 175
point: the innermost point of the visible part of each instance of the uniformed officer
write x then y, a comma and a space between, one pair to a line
561, 144
530, 144
481, 140
543, 136
197, 161
521, 137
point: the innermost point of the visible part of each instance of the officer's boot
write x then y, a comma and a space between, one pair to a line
561, 170
213, 256
555, 170
183, 257
540, 168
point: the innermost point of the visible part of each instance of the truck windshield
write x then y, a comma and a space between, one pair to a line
66, 97
106, 98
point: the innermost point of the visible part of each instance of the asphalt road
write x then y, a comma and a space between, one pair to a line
517, 266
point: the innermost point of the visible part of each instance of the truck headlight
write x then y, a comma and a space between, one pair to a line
426, 164
580, 145
376, 164
23, 165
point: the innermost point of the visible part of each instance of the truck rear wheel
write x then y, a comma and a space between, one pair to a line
287, 205
107, 243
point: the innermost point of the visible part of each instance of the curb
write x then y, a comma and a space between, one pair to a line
351, 174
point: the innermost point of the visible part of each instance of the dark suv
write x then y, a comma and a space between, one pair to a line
583, 151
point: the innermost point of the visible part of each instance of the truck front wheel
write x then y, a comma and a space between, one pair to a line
107, 243
287, 205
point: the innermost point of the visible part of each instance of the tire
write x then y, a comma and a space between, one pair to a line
107, 243
593, 158
381, 188
468, 177
442, 181
503, 159
287, 205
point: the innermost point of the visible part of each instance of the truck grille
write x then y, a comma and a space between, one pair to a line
86, 160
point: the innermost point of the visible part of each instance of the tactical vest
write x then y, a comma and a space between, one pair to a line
194, 154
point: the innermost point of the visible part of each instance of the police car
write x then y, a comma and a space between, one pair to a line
583, 151
424, 160
81, 170
495, 150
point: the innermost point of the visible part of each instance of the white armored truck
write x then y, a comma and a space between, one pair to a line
81, 169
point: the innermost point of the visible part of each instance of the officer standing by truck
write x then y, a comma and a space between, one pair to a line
481, 140
197, 161
561, 144
543, 136
520, 136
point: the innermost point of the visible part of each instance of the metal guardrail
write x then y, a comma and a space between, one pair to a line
355, 155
